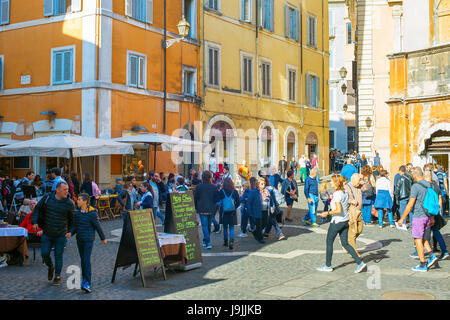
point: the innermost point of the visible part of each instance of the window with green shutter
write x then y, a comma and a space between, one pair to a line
62, 66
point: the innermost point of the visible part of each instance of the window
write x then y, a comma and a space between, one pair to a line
291, 23
4, 12
349, 33
246, 10
141, 10
189, 81
332, 99
247, 74
312, 90
331, 138
267, 14
59, 7
213, 4
190, 13
137, 66
21, 162
351, 133
312, 35
292, 84
63, 65
266, 80
213, 65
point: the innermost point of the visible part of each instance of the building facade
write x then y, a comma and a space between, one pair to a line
342, 119
264, 73
420, 86
96, 68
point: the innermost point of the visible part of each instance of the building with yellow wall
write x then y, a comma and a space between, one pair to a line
420, 89
264, 73
95, 68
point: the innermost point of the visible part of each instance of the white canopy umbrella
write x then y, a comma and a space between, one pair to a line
65, 145
168, 143
6, 142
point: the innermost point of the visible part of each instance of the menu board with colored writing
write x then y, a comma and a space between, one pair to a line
181, 219
145, 238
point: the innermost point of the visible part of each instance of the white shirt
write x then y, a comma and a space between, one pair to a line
302, 162
342, 197
384, 184
212, 164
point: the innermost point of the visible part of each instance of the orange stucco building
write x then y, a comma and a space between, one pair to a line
98, 67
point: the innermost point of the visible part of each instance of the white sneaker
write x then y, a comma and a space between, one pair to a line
242, 235
3, 265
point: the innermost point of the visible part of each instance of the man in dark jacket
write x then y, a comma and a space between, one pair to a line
282, 167
402, 190
54, 215
205, 198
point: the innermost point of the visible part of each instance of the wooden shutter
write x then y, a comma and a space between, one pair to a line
149, 16
1, 73
318, 92
133, 64
286, 20
4, 12
297, 25
76, 6
129, 8
57, 67
141, 72
48, 8
67, 76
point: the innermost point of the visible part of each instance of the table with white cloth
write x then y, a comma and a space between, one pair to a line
173, 247
12, 239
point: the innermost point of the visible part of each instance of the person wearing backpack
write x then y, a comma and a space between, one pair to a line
402, 190
443, 185
229, 201
273, 214
423, 208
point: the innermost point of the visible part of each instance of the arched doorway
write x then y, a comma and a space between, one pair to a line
290, 143
437, 148
220, 134
267, 145
311, 145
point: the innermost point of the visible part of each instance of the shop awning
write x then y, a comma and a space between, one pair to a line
168, 143
65, 145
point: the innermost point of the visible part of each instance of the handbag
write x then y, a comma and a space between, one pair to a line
353, 215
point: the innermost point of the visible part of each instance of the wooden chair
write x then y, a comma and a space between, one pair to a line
104, 207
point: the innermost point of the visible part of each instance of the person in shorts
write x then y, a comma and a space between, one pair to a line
421, 221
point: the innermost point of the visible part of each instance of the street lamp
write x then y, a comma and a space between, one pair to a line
344, 88
183, 30
343, 73
345, 107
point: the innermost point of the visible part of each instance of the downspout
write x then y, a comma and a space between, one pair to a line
323, 95
301, 62
257, 66
165, 66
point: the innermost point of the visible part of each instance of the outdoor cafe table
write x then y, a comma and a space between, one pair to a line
14, 238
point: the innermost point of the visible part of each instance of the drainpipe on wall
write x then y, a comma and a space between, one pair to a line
165, 67
301, 62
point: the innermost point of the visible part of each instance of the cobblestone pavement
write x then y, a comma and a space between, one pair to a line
276, 270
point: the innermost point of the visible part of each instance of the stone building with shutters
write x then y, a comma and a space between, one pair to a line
95, 68
264, 74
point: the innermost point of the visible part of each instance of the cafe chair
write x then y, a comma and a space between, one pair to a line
17, 201
34, 242
104, 208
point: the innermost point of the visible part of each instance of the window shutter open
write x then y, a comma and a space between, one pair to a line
307, 89
141, 72
76, 6
297, 24
48, 8
67, 66
4, 12
1, 74
286, 20
129, 8
318, 91
149, 16
133, 71
57, 68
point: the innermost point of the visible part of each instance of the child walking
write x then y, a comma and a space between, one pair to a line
85, 225
325, 196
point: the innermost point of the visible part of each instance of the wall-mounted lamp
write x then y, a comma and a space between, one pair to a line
183, 30
368, 122
343, 72
345, 107
344, 88
52, 116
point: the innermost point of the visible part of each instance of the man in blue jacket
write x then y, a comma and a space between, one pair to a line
312, 196
348, 170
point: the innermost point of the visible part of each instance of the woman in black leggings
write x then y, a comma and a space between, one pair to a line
339, 225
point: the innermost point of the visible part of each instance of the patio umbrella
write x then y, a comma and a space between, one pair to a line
167, 143
66, 146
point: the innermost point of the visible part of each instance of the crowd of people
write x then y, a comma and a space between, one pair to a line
358, 197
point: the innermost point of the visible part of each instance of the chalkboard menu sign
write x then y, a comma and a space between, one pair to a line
139, 244
180, 219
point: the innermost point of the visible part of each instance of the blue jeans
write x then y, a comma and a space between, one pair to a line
366, 213
157, 213
326, 205
311, 215
227, 227
46, 246
380, 217
244, 220
85, 250
402, 206
206, 227
438, 236
272, 222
